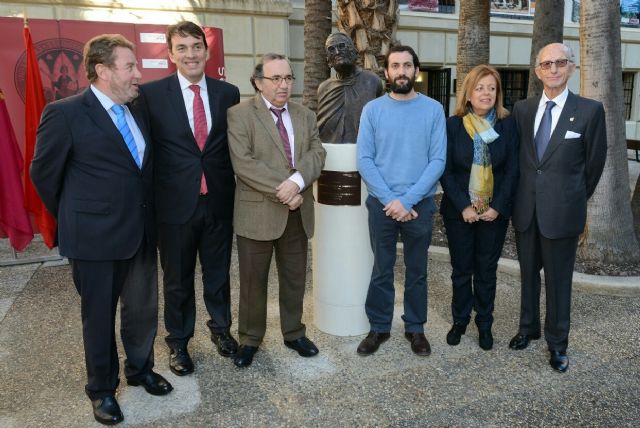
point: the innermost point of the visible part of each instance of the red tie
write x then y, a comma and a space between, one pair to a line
283, 134
200, 128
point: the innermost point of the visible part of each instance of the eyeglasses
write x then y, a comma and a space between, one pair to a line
336, 48
560, 63
277, 80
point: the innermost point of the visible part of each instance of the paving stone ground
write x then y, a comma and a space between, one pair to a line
42, 369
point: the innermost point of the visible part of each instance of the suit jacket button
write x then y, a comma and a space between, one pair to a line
538, 172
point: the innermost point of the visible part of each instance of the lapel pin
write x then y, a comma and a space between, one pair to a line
570, 119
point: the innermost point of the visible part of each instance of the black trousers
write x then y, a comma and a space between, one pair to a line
475, 249
180, 245
101, 284
557, 257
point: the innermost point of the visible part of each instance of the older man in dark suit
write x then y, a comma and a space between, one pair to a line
93, 170
194, 191
563, 148
277, 155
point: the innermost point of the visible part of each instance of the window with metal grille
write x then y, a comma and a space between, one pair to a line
514, 86
435, 83
439, 84
627, 90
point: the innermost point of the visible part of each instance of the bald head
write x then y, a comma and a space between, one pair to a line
568, 52
341, 53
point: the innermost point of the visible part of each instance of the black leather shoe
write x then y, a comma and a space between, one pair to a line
485, 339
153, 383
226, 344
372, 342
419, 344
303, 346
521, 341
107, 411
244, 356
457, 330
559, 361
180, 361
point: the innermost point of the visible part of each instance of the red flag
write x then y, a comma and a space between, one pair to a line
14, 220
34, 104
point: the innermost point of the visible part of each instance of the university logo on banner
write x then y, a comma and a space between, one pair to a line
60, 64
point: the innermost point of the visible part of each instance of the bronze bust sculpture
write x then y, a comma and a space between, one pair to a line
341, 98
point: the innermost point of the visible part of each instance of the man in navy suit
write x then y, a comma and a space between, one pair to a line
563, 148
93, 170
194, 187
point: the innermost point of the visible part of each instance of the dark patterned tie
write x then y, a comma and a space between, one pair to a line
200, 130
121, 124
544, 131
283, 134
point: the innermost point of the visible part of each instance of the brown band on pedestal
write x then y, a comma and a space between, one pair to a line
339, 188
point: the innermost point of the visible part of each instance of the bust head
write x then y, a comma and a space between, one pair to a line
341, 53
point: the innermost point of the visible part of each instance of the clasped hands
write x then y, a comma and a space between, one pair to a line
396, 211
288, 193
470, 215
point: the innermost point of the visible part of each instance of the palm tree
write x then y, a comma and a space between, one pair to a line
317, 27
610, 234
473, 37
372, 25
548, 25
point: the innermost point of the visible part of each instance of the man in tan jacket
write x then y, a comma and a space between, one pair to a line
276, 155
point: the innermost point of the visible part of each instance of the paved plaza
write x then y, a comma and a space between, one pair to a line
42, 369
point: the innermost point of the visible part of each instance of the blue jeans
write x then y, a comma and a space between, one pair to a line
416, 238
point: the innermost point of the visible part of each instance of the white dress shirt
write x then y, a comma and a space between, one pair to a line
296, 177
107, 103
188, 95
560, 100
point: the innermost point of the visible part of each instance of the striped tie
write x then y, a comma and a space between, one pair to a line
284, 136
121, 123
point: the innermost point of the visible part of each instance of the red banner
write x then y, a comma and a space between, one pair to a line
33, 106
14, 220
57, 48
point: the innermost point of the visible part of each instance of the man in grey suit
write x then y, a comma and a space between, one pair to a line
563, 148
276, 155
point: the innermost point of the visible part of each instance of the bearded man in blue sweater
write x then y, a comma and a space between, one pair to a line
401, 155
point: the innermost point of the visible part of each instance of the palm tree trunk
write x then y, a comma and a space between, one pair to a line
610, 235
473, 37
317, 27
548, 26
372, 25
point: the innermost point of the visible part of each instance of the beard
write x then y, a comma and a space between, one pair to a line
403, 88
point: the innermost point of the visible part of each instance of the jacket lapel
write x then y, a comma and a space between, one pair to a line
530, 110
214, 109
142, 125
297, 120
103, 121
557, 136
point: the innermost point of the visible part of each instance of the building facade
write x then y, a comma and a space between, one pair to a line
254, 27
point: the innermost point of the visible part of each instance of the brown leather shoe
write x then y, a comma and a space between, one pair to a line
419, 344
372, 342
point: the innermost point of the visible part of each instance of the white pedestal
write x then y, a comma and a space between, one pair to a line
342, 257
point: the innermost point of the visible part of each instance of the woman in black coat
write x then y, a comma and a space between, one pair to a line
479, 181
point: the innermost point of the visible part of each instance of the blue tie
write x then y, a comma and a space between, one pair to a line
121, 123
544, 131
